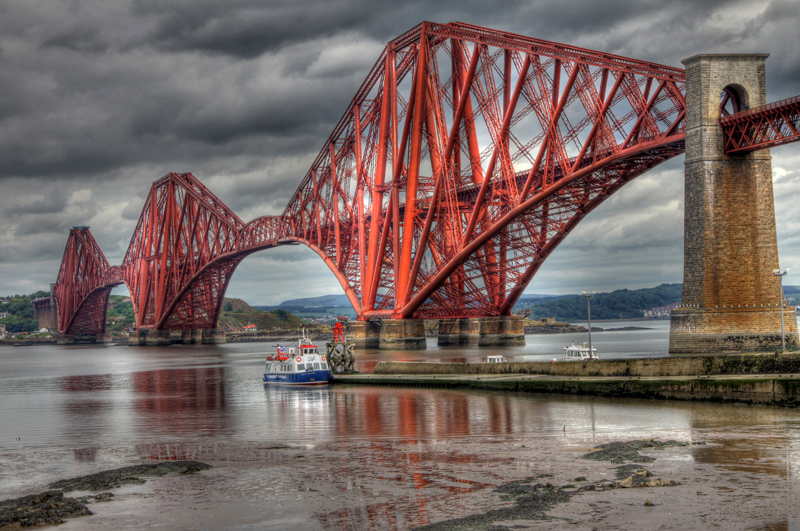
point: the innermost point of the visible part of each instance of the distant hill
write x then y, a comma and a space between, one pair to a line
525, 299
236, 305
325, 300
619, 304
342, 300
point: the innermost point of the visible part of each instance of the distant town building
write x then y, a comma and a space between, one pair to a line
661, 311
3, 315
250, 328
2, 331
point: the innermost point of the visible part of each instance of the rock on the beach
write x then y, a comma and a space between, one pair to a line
46, 508
129, 474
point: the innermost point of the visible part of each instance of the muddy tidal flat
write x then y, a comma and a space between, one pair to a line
731, 480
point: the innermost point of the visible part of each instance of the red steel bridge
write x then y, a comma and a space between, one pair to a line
462, 161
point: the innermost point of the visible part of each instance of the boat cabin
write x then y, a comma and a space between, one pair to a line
577, 352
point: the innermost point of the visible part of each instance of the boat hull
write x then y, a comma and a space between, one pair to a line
300, 378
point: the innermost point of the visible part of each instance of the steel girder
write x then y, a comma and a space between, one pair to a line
762, 127
81, 298
186, 246
183, 227
464, 159
466, 156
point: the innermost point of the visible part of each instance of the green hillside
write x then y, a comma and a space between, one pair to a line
620, 304
236, 314
20, 312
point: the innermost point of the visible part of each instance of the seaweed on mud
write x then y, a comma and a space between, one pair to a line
129, 474
45, 508
533, 500
628, 470
620, 452
531, 503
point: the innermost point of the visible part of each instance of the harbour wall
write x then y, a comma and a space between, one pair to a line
739, 364
755, 389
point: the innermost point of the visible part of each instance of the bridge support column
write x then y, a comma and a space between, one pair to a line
403, 334
65, 339
459, 332
197, 336
730, 298
501, 331
105, 337
214, 336
364, 334
158, 338
138, 338
186, 337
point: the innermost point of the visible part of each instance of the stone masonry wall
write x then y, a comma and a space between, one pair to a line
730, 244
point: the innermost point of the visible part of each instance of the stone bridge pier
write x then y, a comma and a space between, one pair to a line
730, 298
409, 334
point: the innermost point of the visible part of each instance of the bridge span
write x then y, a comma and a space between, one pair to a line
463, 160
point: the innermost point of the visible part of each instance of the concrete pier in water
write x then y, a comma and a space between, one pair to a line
506, 331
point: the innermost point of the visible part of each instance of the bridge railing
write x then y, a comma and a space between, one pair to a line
762, 127
261, 232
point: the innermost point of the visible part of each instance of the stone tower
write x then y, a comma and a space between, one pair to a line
730, 296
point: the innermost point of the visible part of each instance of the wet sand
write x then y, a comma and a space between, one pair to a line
739, 479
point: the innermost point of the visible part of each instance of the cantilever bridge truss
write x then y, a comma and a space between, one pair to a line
463, 160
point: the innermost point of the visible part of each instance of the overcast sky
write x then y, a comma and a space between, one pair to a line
98, 99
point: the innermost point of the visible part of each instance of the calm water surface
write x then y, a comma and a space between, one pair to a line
72, 396
70, 410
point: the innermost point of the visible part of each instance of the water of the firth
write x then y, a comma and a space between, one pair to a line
71, 410
74, 396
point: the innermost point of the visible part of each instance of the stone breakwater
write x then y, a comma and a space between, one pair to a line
770, 380
557, 328
744, 364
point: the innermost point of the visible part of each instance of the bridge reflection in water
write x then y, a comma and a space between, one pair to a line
391, 457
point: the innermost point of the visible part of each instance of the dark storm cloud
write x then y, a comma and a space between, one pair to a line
249, 28
246, 29
101, 98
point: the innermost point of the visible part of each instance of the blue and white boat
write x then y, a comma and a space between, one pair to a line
300, 365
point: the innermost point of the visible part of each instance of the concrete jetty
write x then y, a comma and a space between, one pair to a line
749, 378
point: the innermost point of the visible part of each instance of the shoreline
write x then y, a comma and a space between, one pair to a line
528, 482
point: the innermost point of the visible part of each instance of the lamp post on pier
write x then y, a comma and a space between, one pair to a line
589, 316
780, 274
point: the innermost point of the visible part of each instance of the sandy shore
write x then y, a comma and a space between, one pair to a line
739, 479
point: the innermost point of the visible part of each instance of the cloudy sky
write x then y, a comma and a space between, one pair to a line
98, 99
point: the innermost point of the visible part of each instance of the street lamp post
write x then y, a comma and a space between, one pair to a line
780, 274
589, 315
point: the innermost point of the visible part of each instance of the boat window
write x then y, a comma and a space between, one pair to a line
301, 366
